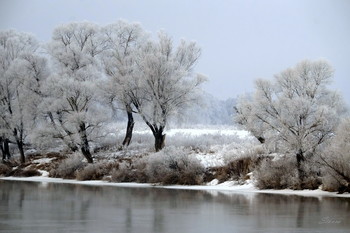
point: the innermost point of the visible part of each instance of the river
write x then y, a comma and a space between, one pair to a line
53, 207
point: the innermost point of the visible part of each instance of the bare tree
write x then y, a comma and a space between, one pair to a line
296, 113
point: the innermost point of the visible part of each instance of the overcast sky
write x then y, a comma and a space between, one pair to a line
241, 40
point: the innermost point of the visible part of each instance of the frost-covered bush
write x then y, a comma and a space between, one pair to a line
278, 174
336, 160
26, 172
282, 173
4, 169
68, 167
95, 171
128, 172
239, 161
174, 166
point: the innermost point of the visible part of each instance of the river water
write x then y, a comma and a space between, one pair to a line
52, 207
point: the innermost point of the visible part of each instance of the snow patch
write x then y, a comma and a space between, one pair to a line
44, 173
43, 160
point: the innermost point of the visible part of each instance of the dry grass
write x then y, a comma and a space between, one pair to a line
68, 167
96, 171
4, 169
237, 169
174, 166
25, 172
130, 172
283, 174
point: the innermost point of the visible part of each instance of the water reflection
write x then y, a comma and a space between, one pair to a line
50, 207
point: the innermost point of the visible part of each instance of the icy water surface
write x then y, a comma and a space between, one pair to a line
51, 207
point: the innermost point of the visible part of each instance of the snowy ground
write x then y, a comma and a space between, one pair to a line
212, 145
226, 187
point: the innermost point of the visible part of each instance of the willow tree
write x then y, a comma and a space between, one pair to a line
21, 70
167, 81
72, 96
297, 112
123, 42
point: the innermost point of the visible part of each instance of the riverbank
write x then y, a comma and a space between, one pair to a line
229, 186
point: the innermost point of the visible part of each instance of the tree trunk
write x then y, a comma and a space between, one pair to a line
159, 139
129, 127
86, 152
19, 142
2, 149
300, 159
85, 148
6, 148
21, 151
261, 139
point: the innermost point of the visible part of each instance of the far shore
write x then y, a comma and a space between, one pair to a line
226, 187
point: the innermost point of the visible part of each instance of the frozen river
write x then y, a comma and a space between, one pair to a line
52, 207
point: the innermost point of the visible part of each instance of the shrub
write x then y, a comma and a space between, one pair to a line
240, 161
26, 172
94, 171
336, 160
278, 174
4, 169
282, 173
174, 166
336, 174
130, 172
68, 167
234, 170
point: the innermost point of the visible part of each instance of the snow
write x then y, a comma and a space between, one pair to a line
228, 186
44, 173
219, 130
199, 132
43, 160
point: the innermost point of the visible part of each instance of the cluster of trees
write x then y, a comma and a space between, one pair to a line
67, 88
297, 115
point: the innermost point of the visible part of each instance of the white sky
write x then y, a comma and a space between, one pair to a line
241, 40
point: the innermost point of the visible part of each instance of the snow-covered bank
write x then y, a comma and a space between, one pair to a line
229, 186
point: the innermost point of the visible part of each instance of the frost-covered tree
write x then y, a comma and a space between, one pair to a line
167, 81
21, 71
72, 102
123, 42
296, 113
